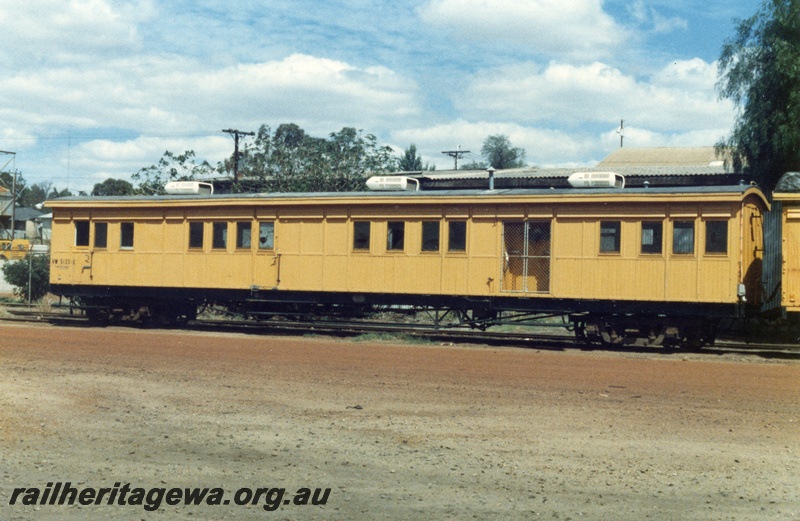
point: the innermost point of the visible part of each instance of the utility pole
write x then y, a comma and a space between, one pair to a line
236, 134
13, 190
456, 154
621, 131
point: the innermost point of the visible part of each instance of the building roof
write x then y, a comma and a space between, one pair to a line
26, 214
663, 156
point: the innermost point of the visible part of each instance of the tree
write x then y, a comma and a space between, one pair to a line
499, 153
7, 180
170, 167
56, 193
113, 187
410, 161
34, 194
759, 70
475, 165
34, 269
353, 157
289, 160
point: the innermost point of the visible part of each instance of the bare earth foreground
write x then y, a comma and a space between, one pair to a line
395, 431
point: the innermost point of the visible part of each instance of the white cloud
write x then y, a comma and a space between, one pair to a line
156, 94
663, 24
680, 96
172, 95
643, 137
51, 31
578, 28
645, 15
106, 158
694, 74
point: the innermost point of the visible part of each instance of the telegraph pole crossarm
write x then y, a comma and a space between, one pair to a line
456, 154
236, 135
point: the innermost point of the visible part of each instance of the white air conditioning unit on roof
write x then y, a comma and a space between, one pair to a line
596, 180
188, 188
392, 182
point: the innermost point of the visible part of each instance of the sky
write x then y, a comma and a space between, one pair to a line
98, 89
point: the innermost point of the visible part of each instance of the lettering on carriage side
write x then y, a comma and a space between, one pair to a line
62, 263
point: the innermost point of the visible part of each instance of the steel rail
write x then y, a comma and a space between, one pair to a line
422, 331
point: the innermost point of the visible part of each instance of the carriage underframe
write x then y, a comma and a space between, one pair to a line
595, 322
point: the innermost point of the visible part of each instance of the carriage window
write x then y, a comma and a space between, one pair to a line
196, 235
266, 236
395, 235
243, 233
716, 236
100, 235
683, 237
430, 235
609, 236
652, 239
457, 236
361, 235
126, 235
81, 233
219, 238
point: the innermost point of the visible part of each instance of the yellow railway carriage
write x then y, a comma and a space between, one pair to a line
658, 263
787, 198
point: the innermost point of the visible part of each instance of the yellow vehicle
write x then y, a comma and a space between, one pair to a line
15, 249
663, 264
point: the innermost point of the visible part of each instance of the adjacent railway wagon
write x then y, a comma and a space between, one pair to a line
659, 264
787, 224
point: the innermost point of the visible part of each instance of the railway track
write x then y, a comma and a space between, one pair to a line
403, 331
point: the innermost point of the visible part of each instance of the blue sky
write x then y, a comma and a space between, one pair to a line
92, 89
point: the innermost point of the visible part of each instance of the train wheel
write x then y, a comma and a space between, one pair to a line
99, 317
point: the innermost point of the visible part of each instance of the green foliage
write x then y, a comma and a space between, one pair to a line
34, 194
113, 187
474, 165
499, 153
16, 274
7, 181
56, 193
759, 70
170, 167
410, 161
289, 160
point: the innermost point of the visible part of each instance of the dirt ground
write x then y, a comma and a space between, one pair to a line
395, 431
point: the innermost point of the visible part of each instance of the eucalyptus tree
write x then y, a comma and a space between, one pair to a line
759, 70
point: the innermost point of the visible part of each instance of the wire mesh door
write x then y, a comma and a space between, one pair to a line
526, 256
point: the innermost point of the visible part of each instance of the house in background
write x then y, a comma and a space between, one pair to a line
27, 224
